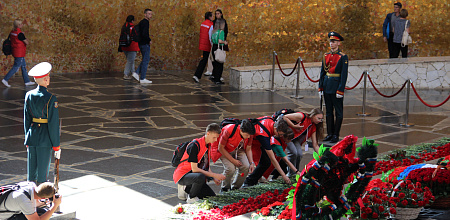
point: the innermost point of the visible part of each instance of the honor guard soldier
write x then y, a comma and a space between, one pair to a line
333, 77
41, 123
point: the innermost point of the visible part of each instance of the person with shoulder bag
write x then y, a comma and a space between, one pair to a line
401, 35
218, 54
19, 45
131, 50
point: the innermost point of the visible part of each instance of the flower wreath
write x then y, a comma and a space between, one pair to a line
326, 177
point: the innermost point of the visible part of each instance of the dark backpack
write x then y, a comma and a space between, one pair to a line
6, 190
125, 37
7, 48
179, 152
227, 121
283, 111
237, 122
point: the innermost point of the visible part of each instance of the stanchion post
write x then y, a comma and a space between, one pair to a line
273, 72
297, 87
406, 124
363, 113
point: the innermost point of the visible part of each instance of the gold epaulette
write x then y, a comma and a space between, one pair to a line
343, 54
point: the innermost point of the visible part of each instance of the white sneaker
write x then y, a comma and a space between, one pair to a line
208, 73
262, 180
127, 77
221, 79
135, 76
195, 78
181, 193
5, 83
193, 200
145, 81
29, 83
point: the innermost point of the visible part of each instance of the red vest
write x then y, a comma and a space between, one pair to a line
134, 46
306, 124
18, 47
204, 43
185, 167
256, 145
232, 143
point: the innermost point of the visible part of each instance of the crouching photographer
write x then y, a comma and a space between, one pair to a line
22, 201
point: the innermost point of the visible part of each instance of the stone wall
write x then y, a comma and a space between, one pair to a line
425, 72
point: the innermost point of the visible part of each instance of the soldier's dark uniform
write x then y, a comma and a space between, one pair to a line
41, 124
333, 77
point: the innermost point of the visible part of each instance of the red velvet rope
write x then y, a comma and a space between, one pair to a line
387, 96
314, 81
278, 62
350, 88
431, 106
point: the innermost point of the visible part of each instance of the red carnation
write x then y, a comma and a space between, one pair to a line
364, 216
418, 185
405, 202
414, 196
392, 211
401, 195
381, 208
265, 211
374, 215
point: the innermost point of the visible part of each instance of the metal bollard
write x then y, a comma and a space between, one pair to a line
363, 113
406, 124
273, 72
297, 96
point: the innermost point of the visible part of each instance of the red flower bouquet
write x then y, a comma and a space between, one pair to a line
409, 195
374, 204
439, 184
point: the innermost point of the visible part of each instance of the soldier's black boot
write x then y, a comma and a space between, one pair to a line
337, 129
330, 128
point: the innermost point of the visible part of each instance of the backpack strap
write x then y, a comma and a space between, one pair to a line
196, 144
234, 130
258, 122
5, 196
303, 119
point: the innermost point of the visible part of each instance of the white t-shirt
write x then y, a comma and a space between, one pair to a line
18, 202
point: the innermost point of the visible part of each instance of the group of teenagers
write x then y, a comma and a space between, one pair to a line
255, 148
249, 151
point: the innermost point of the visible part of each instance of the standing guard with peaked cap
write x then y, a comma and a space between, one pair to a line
41, 123
333, 77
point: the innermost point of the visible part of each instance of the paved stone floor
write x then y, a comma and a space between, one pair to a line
118, 136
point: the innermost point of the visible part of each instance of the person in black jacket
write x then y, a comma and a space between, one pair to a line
219, 15
388, 28
144, 47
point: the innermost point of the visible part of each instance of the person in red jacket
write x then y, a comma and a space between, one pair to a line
205, 45
19, 48
234, 148
130, 51
194, 168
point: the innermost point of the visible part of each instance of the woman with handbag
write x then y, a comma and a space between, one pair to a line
401, 28
218, 54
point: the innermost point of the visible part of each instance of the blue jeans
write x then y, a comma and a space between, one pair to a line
19, 62
129, 67
142, 69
